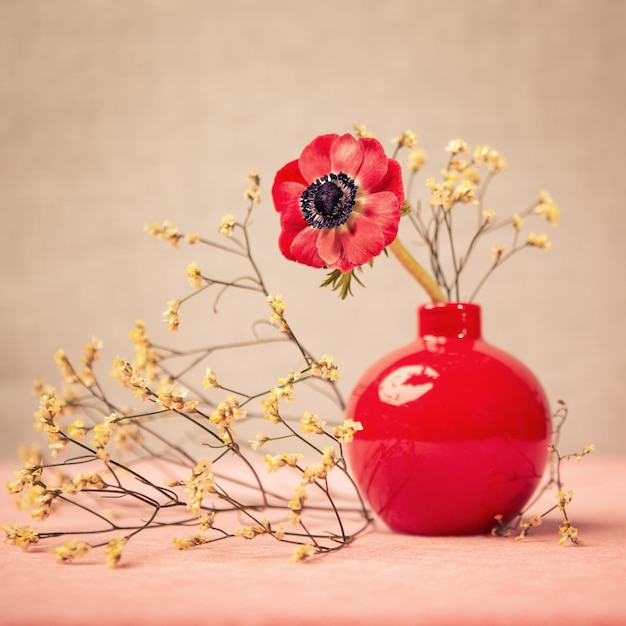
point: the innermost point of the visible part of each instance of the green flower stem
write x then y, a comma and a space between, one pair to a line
417, 271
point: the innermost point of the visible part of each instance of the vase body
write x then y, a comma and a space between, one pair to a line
455, 431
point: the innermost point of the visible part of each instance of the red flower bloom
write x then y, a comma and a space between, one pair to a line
339, 203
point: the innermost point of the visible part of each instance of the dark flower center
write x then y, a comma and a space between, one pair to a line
327, 202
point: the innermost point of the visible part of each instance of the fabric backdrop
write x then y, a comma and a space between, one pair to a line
114, 115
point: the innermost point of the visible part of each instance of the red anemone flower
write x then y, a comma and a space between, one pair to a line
339, 203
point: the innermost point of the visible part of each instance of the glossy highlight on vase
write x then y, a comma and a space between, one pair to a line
455, 430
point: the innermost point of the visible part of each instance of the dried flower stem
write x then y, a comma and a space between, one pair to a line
554, 479
126, 444
463, 183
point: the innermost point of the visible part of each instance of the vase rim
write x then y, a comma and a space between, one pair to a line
450, 320
450, 305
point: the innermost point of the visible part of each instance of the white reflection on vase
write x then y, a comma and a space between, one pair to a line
407, 384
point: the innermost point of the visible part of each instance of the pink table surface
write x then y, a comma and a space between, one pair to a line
381, 578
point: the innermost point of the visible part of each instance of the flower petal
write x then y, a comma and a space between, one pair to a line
304, 248
289, 172
286, 198
374, 166
289, 230
382, 208
364, 242
392, 181
315, 158
329, 245
346, 155
287, 188
373, 221
360, 240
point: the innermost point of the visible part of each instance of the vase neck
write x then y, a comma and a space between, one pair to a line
458, 320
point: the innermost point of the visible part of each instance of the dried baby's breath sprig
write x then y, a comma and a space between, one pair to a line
199, 484
458, 146
21, 536
486, 155
276, 461
253, 192
26, 477
417, 159
146, 358
345, 432
210, 379
174, 398
166, 231
360, 130
464, 181
170, 315
278, 309
225, 415
255, 444
114, 551
71, 550
302, 552
193, 541
102, 455
539, 241
325, 369
547, 208
227, 225
523, 523
407, 139
194, 273
310, 423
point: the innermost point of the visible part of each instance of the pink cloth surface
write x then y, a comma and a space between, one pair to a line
382, 577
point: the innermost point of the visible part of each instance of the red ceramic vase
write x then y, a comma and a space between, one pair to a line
455, 431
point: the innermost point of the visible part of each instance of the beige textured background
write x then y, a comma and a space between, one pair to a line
116, 113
